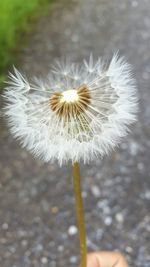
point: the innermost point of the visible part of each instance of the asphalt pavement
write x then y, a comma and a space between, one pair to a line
37, 216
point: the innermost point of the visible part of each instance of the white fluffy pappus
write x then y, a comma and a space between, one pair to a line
77, 114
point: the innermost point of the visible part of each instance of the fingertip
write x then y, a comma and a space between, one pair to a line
106, 259
92, 260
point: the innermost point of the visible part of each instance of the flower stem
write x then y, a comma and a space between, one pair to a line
80, 214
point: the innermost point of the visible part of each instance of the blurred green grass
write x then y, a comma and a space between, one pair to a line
14, 19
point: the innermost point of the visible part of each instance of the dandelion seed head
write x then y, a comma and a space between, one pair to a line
78, 113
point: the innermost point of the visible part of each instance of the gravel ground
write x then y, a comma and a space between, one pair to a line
37, 217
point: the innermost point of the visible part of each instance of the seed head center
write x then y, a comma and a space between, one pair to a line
69, 96
70, 103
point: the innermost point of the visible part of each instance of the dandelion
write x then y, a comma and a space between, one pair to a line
77, 114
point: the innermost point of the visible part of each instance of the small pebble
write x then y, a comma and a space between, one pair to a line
95, 191
21, 233
140, 166
28, 253
108, 220
45, 205
73, 259
84, 194
134, 3
119, 217
72, 230
60, 248
147, 195
44, 260
134, 148
64, 236
24, 243
75, 38
39, 247
5, 226
3, 241
54, 210
129, 249
12, 249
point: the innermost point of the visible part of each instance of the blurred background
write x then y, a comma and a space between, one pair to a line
37, 216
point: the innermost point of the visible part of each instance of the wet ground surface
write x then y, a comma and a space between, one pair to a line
37, 217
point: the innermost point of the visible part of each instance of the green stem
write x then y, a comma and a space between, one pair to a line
80, 214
